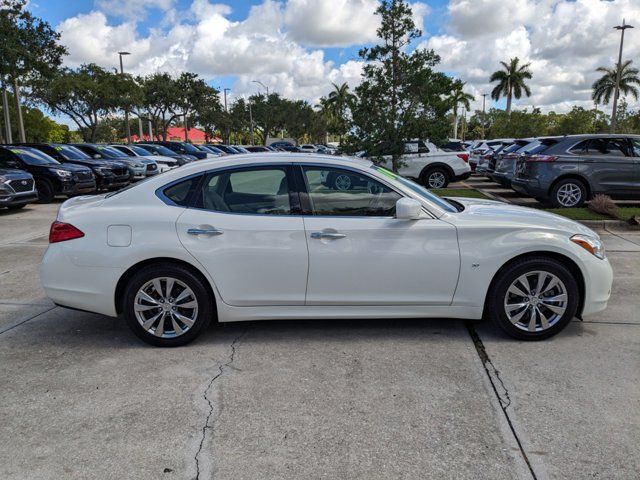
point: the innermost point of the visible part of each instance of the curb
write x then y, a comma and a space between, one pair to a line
607, 224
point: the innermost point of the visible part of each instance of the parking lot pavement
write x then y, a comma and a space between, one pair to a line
82, 398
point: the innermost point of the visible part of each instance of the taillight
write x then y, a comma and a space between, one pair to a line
61, 232
464, 156
540, 158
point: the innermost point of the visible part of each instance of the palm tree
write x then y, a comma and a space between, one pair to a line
604, 88
511, 81
459, 97
337, 103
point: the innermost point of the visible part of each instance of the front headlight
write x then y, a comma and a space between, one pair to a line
138, 165
590, 244
63, 173
3, 179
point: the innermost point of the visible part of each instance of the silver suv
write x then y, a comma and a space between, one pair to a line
572, 169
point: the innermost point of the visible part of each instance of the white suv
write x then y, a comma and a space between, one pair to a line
431, 166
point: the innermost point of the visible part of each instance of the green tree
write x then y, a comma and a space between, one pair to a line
161, 100
401, 96
86, 95
39, 127
458, 97
194, 96
511, 81
336, 107
604, 87
29, 50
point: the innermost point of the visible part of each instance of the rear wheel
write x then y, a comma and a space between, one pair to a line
533, 298
435, 177
167, 306
45, 191
568, 193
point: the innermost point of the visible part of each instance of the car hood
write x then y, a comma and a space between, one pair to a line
164, 159
15, 174
497, 214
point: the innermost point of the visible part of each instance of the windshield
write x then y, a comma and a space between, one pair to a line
159, 149
419, 189
71, 153
111, 152
139, 150
190, 148
34, 157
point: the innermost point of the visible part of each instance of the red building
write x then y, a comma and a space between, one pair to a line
177, 134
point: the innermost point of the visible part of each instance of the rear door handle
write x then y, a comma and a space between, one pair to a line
204, 231
335, 235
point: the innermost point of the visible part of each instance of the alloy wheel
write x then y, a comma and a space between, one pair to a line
536, 301
569, 195
436, 180
166, 307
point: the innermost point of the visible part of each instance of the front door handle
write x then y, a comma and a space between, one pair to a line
204, 231
335, 235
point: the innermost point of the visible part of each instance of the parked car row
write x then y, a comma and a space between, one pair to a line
566, 171
31, 172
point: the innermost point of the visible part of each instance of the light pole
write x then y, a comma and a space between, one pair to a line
251, 122
614, 114
484, 116
126, 110
226, 111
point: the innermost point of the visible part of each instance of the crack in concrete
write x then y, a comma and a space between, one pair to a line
15, 325
221, 370
619, 236
504, 400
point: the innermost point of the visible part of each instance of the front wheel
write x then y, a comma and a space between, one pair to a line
45, 191
533, 298
167, 306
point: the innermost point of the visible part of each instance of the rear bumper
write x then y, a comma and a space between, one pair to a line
461, 177
502, 178
529, 187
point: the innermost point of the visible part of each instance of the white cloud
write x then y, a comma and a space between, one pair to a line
565, 41
132, 8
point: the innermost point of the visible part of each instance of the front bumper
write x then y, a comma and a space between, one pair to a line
598, 281
78, 188
113, 181
136, 174
18, 198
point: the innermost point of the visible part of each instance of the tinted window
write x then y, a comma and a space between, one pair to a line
540, 147
34, 157
512, 148
159, 149
179, 192
139, 151
617, 147
262, 191
636, 147
111, 152
334, 191
71, 153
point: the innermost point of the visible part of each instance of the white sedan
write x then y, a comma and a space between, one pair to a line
266, 236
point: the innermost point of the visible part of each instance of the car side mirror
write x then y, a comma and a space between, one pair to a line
408, 209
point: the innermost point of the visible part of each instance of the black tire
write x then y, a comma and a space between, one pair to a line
568, 183
16, 207
194, 282
502, 282
45, 191
435, 175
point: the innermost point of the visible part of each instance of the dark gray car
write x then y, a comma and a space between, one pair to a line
572, 169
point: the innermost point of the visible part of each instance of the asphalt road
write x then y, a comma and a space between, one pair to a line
81, 397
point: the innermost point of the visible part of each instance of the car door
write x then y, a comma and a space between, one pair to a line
635, 149
243, 230
360, 254
608, 164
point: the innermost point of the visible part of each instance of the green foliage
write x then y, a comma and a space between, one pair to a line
87, 95
401, 95
604, 87
511, 81
29, 48
38, 127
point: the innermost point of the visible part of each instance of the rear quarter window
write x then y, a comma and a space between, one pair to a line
180, 193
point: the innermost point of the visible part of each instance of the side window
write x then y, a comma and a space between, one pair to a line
580, 148
618, 147
411, 147
261, 191
422, 148
179, 193
636, 147
334, 191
